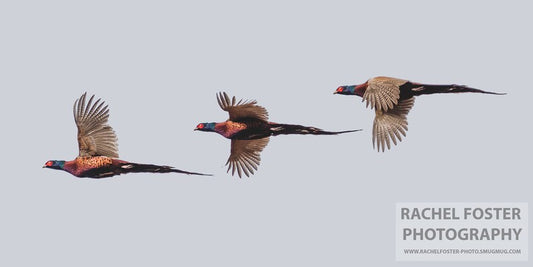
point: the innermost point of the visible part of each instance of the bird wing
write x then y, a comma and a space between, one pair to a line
241, 109
382, 93
391, 124
95, 136
245, 155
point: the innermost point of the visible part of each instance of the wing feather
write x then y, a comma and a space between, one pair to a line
383, 93
242, 108
391, 125
95, 136
245, 155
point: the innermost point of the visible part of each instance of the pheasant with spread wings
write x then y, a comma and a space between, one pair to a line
249, 130
98, 149
392, 99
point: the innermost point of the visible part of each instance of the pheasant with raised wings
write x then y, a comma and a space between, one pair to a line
98, 149
392, 99
249, 130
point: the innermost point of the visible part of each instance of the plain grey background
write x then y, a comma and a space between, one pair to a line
316, 200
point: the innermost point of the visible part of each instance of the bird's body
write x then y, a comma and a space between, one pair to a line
98, 148
249, 129
91, 166
102, 167
243, 129
392, 99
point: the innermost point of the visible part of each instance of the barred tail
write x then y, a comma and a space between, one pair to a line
136, 167
277, 129
422, 89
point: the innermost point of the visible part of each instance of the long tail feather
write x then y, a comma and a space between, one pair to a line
421, 89
278, 129
136, 167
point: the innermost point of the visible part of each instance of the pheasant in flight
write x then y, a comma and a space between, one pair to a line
392, 99
249, 130
98, 149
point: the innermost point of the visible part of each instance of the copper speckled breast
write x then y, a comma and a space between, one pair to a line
93, 162
229, 128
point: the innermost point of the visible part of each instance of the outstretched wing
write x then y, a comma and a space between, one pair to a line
391, 124
241, 109
245, 155
95, 137
382, 93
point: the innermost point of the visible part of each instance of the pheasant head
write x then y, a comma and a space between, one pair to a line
351, 90
206, 127
55, 164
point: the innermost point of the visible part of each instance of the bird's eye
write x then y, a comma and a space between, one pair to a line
49, 163
200, 126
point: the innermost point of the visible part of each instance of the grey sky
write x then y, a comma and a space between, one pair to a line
315, 200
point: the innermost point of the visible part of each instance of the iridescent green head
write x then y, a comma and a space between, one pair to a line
55, 164
206, 127
345, 90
